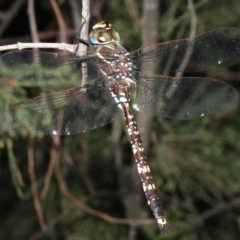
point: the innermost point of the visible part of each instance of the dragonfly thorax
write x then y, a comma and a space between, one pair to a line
114, 63
113, 59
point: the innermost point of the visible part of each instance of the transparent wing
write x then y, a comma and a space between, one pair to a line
65, 112
182, 98
49, 70
195, 54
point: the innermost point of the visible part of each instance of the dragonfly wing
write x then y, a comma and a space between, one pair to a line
191, 54
49, 70
65, 112
182, 98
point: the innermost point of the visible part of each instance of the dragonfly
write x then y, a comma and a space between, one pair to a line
105, 83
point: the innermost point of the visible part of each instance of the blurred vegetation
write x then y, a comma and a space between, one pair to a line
195, 164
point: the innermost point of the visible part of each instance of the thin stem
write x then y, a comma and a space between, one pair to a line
60, 20
32, 21
36, 200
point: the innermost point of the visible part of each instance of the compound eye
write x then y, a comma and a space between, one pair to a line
103, 33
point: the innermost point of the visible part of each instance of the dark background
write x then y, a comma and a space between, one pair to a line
195, 163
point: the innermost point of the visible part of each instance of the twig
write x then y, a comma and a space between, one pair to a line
193, 17
95, 212
181, 225
36, 200
185, 59
84, 35
54, 157
192, 33
32, 21
60, 46
85, 16
55, 154
60, 20
15, 172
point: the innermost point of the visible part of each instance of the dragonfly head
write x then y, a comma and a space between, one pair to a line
103, 33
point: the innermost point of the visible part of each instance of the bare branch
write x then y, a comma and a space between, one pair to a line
15, 172
92, 211
60, 46
32, 21
36, 200
193, 17
54, 157
84, 35
60, 20
192, 33
85, 16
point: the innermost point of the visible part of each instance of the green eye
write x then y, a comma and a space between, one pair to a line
103, 33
